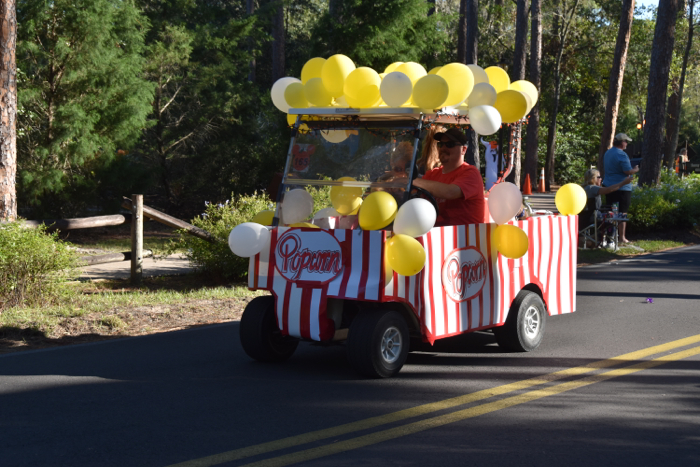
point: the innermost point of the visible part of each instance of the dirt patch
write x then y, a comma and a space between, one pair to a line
124, 321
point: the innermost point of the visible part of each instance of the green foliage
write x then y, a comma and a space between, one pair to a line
673, 204
215, 259
376, 34
82, 95
33, 265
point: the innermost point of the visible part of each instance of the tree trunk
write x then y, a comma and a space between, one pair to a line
278, 43
520, 52
518, 73
533, 125
661, 54
617, 73
472, 49
250, 10
462, 32
8, 110
672, 114
675, 113
563, 30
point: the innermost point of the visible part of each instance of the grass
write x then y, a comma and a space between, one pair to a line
156, 244
592, 256
99, 302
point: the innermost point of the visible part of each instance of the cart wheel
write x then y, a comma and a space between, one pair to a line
524, 327
378, 343
260, 337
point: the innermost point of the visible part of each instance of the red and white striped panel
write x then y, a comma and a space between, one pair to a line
301, 308
439, 314
550, 263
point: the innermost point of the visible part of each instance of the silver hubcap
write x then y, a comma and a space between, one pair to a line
532, 322
391, 345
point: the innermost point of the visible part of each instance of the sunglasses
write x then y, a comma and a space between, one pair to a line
447, 144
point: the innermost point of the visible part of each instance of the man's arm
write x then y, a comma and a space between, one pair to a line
633, 171
439, 189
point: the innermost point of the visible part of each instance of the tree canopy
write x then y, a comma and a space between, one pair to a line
172, 98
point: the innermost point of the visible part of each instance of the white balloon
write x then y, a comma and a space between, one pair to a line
482, 94
277, 93
484, 119
326, 212
334, 136
415, 218
297, 206
248, 239
480, 75
505, 201
396, 89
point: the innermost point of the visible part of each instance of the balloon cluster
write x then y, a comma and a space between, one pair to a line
505, 202
487, 94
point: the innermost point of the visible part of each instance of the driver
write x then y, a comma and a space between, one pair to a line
456, 185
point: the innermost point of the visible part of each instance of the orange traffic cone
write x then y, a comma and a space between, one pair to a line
541, 187
527, 188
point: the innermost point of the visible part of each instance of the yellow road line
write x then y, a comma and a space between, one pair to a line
422, 425
372, 422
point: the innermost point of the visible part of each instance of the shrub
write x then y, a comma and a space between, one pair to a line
672, 204
33, 265
215, 259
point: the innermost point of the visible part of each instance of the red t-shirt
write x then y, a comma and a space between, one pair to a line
469, 209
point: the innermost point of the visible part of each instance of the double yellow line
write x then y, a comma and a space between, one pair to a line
440, 420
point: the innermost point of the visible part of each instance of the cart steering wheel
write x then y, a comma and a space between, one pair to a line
425, 194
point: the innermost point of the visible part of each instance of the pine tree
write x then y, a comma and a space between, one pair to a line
82, 93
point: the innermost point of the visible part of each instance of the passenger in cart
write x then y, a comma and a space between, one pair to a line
457, 185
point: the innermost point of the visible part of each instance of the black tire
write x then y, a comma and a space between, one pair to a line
525, 325
373, 340
260, 337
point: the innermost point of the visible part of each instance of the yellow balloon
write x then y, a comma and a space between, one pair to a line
312, 69
405, 255
346, 199
316, 93
430, 92
292, 119
294, 95
498, 78
334, 72
434, 70
413, 70
378, 210
460, 80
263, 217
512, 105
356, 211
511, 241
392, 67
570, 199
527, 88
304, 224
388, 272
361, 87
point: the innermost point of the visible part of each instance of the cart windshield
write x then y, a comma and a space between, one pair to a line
364, 154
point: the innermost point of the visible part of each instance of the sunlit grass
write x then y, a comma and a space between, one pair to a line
601, 255
88, 299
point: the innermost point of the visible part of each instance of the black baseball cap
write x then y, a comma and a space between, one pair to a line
453, 134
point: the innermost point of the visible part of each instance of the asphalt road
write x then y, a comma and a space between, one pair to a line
194, 395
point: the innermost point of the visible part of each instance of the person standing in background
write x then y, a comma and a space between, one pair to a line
491, 158
618, 168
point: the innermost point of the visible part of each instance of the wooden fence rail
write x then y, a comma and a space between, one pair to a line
138, 211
